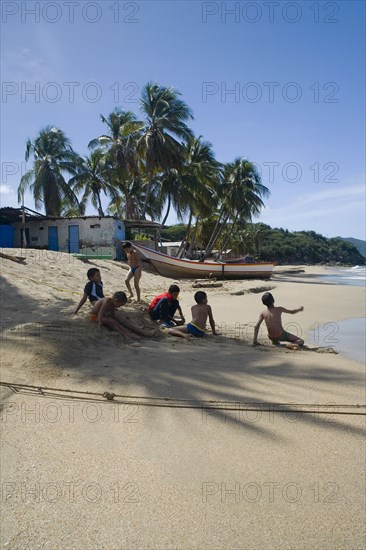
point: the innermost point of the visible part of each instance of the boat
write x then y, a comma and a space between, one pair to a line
167, 266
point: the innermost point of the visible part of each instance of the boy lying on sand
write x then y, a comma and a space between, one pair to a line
104, 312
272, 317
197, 326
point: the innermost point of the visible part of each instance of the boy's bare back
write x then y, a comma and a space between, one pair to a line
200, 312
272, 318
108, 307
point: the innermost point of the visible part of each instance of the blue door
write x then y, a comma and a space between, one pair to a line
6, 236
53, 238
74, 239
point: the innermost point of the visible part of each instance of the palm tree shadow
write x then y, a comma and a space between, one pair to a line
228, 377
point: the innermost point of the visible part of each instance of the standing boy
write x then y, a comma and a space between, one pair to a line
93, 289
135, 271
164, 306
272, 317
200, 312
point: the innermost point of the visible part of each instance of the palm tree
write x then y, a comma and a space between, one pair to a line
53, 157
241, 198
93, 177
120, 150
165, 122
130, 203
200, 177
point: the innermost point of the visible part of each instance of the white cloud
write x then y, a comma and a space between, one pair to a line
339, 211
6, 189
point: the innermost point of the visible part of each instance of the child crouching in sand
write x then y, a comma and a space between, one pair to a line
197, 326
272, 317
104, 313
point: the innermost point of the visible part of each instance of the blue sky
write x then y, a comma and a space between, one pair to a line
279, 83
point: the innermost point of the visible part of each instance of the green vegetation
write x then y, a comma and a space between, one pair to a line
278, 245
145, 164
145, 167
358, 243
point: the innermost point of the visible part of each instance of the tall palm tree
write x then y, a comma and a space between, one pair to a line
200, 176
165, 123
120, 143
130, 203
53, 156
120, 151
93, 177
241, 197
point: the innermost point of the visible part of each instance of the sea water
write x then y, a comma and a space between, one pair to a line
348, 336
355, 276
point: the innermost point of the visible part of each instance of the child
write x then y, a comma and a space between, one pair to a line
135, 272
272, 318
164, 306
93, 289
104, 313
197, 326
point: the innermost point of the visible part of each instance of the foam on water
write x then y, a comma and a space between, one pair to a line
355, 276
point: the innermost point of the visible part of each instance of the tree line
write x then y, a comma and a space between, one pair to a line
278, 245
145, 164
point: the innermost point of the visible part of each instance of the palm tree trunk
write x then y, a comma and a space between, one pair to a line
148, 191
168, 209
193, 241
230, 234
180, 250
216, 232
100, 209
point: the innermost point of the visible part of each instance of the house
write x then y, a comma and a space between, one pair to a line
170, 247
93, 236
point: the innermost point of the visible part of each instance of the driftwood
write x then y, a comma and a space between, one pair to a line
255, 290
17, 259
206, 285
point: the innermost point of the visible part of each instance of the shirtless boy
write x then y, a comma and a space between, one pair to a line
272, 317
135, 272
197, 326
104, 313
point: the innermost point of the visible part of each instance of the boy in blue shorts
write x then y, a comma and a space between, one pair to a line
197, 326
93, 289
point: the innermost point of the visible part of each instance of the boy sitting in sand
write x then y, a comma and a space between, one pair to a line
197, 326
272, 317
135, 272
164, 306
93, 289
104, 313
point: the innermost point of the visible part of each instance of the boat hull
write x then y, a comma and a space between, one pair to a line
167, 266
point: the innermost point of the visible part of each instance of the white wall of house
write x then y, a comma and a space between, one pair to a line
96, 235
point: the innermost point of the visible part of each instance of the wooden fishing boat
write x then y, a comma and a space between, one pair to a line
167, 266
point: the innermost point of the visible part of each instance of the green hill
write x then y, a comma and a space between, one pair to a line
358, 243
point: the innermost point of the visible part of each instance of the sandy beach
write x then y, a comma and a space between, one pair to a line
211, 443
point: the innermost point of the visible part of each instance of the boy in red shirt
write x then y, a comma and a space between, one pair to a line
164, 306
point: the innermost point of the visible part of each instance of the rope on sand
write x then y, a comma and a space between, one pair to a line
173, 402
